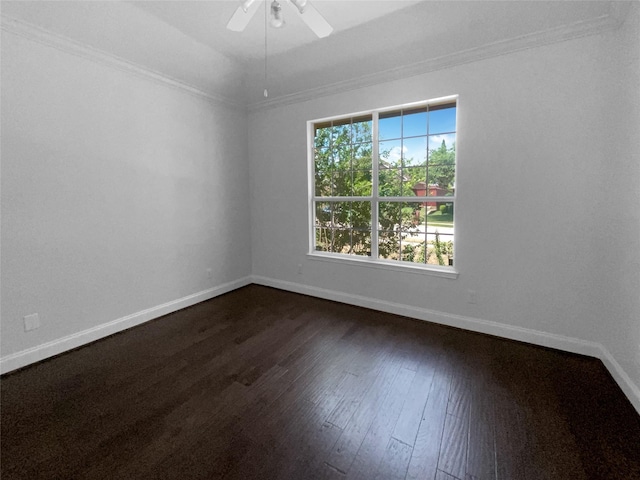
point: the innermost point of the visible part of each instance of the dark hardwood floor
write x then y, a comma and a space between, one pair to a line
265, 384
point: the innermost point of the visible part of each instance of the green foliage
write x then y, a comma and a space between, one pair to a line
409, 252
442, 166
343, 168
440, 249
343, 160
416, 253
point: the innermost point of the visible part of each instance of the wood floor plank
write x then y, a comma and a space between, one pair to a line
440, 475
312, 446
221, 409
328, 472
406, 428
395, 461
303, 372
426, 450
378, 437
510, 439
481, 448
353, 434
352, 398
453, 449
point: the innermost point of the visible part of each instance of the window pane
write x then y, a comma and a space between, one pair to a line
360, 218
441, 171
442, 120
440, 218
390, 126
389, 245
361, 243
323, 158
342, 157
399, 216
441, 179
341, 240
440, 249
390, 152
438, 142
360, 222
411, 216
340, 214
401, 230
420, 189
323, 214
414, 251
361, 129
322, 242
361, 156
341, 134
414, 151
414, 123
322, 137
362, 185
343, 227
413, 181
389, 216
342, 183
322, 182
440, 233
389, 182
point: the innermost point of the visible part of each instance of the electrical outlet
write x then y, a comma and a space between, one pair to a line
31, 322
471, 297
300, 269
209, 273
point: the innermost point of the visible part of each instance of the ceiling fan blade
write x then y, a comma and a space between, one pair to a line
241, 18
315, 21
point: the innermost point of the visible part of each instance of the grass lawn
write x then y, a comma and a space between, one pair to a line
440, 219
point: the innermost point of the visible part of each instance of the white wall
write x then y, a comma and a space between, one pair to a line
536, 139
118, 193
619, 270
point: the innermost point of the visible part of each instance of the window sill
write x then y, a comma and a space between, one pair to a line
433, 270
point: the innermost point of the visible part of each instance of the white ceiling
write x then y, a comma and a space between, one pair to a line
205, 21
187, 40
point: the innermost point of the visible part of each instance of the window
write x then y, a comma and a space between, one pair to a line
398, 209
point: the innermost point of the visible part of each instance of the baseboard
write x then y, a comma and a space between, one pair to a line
31, 355
535, 337
623, 380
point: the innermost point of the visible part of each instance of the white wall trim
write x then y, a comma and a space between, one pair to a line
535, 337
572, 31
630, 389
72, 47
35, 354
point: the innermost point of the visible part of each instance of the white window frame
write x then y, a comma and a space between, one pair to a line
373, 261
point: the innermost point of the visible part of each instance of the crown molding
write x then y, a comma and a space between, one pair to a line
67, 45
571, 31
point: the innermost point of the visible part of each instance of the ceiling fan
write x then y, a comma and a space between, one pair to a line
309, 14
